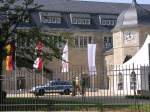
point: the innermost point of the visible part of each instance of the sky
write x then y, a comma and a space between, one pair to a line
122, 1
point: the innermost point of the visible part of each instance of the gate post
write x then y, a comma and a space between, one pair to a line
149, 55
149, 66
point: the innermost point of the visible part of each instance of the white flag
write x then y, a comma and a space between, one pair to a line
65, 64
91, 59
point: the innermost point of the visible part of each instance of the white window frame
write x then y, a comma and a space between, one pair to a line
81, 21
84, 39
51, 19
108, 22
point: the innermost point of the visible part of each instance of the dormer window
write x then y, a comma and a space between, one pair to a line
107, 20
80, 19
49, 17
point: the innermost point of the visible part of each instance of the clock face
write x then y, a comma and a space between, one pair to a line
130, 35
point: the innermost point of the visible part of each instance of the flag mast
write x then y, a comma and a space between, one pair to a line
42, 73
15, 66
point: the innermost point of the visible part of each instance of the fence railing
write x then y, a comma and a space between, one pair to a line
125, 87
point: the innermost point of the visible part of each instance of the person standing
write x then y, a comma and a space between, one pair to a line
77, 85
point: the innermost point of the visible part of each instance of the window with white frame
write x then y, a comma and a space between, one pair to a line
108, 22
46, 17
81, 21
50, 19
83, 41
108, 42
120, 81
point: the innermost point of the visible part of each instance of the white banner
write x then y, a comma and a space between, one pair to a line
65, 64
91, 59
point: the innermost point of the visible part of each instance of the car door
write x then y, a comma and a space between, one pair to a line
58, 86
50, 87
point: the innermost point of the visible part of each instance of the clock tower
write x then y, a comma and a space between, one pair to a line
130, 32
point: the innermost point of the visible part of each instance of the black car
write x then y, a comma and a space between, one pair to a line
54, 86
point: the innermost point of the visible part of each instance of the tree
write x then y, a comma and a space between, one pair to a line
12, 15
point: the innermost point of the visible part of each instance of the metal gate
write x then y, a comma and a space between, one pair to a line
117, 89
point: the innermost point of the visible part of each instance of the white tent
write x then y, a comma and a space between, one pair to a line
142, 56
134, 74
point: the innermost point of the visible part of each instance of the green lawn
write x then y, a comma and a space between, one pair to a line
24, 104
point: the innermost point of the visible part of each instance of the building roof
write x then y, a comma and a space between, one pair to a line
80, 8
83, 6
135, 15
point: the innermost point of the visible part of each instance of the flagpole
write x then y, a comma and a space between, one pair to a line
42, 74
15, 72
15, 64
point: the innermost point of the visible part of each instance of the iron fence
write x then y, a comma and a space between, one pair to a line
119, 88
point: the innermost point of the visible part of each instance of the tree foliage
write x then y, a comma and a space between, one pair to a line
15, 12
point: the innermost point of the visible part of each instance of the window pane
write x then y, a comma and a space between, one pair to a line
90, 40
74, 20
110, 39
50, 19
76, 42
81, 41
80, 21
58, 20
108, 43
85, 41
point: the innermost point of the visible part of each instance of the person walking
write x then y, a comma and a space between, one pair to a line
78, 85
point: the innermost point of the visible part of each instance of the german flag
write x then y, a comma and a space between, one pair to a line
9, 63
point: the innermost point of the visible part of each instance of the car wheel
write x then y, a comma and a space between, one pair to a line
66, 91
41, 92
